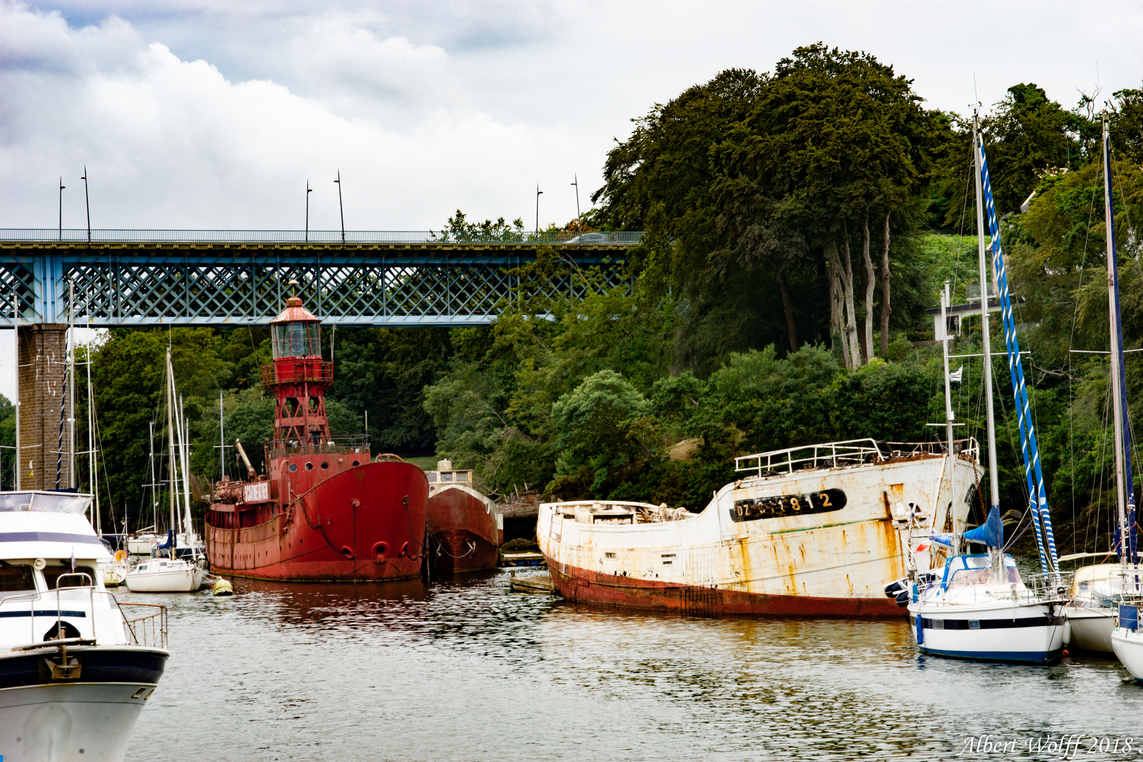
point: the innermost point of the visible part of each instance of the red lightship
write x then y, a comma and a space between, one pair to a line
325, 511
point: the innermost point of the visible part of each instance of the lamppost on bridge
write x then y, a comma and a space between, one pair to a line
86, 201
538, 194
340, 205
309, 190
62, 186
575, 182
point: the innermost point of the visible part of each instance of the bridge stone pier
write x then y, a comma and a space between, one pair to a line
43, 393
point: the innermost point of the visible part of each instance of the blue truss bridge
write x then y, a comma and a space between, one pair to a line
242, 277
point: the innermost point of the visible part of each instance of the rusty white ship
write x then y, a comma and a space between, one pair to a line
809, 531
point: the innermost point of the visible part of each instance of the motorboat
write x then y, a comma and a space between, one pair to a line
76, 665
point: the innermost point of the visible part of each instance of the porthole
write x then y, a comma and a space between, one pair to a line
293, 466
324, 466
309, 466
356, 463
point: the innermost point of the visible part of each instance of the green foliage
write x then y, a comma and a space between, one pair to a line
599, 435
742, 184
128, 372
1029, 135
384, 371
458, 229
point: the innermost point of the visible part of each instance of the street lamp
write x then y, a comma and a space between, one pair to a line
309, 190
538, 194
340, 205
575, 182
86, 201
61, 206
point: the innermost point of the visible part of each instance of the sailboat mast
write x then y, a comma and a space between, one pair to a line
154, 485
71, 479
184, 440
993, 473
16, 334
951, 460
92, 461
221, 439
171, 449
1124, 492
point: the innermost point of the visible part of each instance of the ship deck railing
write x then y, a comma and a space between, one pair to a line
341, 444
148, 630
976, 586
846, 453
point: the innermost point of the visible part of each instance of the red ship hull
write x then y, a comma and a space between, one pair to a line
464, 532
365, 523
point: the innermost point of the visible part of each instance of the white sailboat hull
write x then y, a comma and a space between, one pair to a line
1090, 628
1128, 647
175, 580
1001, 631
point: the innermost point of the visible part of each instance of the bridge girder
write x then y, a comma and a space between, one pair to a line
246, 283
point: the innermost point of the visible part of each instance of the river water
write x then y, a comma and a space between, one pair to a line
466, 670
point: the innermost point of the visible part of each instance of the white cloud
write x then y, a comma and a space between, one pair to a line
336, 58
204, 113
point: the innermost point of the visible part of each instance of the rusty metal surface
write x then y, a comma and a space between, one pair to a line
364, 523
803, 562
462, 525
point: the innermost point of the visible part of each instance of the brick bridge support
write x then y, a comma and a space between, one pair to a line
43, 458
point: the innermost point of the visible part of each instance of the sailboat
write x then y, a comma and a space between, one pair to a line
978, 606
1126, 639
171, 574
1097, 588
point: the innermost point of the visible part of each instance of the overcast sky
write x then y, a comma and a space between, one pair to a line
214, 113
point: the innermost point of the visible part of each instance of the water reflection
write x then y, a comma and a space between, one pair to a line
464, 669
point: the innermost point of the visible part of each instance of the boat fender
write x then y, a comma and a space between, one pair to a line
379, 551
347, 552
920, 631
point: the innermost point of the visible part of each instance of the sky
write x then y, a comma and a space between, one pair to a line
215, 114
211, 114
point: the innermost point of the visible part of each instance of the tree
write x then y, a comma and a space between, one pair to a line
1127, 125
753, 189
128, 374
384, 371
598, 441
842, 140
1027, 136
459, 229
